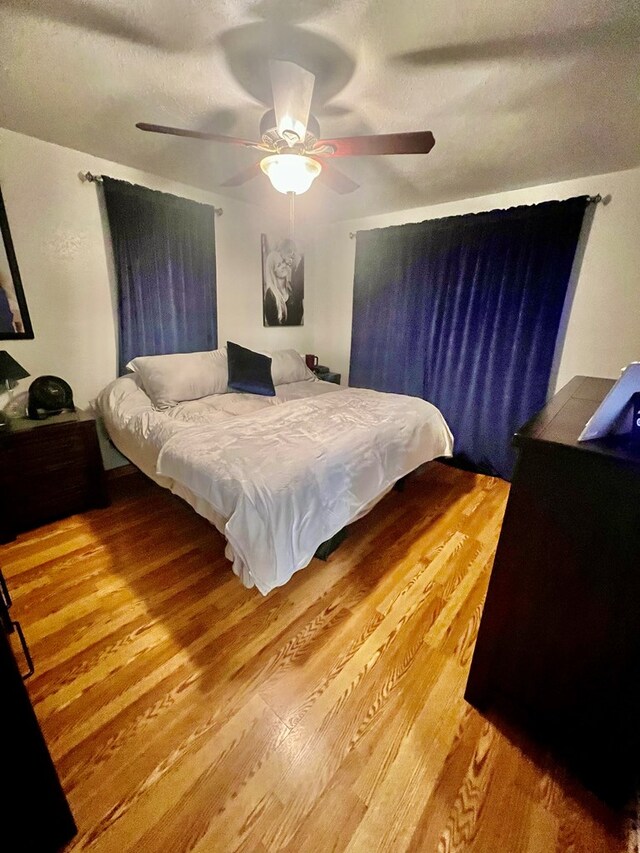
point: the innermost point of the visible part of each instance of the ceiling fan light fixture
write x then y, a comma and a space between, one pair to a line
290, 173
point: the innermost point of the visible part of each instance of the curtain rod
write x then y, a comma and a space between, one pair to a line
97, 179
591, 199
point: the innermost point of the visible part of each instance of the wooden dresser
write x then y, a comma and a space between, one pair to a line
558, 647
49, 469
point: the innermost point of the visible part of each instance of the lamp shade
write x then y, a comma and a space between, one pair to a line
10, 369
290, 173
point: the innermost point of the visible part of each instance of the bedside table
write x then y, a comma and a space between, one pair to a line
49, 469
329, 377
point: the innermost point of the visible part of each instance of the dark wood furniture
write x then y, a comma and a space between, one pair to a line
558, 647
49, 469
35, 812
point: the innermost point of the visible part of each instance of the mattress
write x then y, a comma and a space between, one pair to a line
276, 476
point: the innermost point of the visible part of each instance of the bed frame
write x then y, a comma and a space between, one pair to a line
327, 548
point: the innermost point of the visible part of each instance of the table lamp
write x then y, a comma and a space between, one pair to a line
10, 372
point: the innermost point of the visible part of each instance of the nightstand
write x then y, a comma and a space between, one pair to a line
329, 377
49, 469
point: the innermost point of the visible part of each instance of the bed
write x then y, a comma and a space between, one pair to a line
279, 475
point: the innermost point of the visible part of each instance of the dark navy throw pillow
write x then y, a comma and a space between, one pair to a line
249, 371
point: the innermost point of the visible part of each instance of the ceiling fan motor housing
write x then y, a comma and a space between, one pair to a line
270, 136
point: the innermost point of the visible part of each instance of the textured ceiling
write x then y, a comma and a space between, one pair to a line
516, 93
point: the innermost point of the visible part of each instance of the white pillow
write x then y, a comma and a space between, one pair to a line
287, 366
172, 379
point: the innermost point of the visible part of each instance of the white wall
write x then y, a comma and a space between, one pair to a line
603, 328
63, 253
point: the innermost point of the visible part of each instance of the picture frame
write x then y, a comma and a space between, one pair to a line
282, 282
15, 322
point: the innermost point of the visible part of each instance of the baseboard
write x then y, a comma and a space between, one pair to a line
127, 470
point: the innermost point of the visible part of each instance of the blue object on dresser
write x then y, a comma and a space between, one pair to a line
635, 424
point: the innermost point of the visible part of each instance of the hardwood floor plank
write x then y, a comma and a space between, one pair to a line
432, 829
186, 713
491, 785
395, 805
145, 815
331, 821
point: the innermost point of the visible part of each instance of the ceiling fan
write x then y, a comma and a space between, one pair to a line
290, 137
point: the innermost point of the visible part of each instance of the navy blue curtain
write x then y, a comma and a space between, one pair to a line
464, 312
165, 261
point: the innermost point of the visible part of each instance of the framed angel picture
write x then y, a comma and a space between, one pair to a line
15, 322
282, 282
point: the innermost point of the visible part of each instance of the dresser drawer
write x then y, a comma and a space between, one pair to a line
49, 470
49, 442
41, 459
54, 501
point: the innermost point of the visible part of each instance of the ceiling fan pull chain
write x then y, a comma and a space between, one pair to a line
291, 215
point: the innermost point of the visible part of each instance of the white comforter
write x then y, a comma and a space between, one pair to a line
288, 477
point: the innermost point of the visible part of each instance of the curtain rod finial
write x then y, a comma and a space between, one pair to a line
89, 177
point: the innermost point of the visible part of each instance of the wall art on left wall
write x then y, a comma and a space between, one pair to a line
15, 323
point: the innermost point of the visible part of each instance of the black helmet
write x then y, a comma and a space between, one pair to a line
49, 395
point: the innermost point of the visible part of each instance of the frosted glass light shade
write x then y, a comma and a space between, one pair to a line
290, 173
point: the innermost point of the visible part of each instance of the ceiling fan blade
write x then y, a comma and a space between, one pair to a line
292, 88
196, 134
242, 177
419, 142
335, 179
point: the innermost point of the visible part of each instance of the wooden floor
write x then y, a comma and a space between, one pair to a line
185, 712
